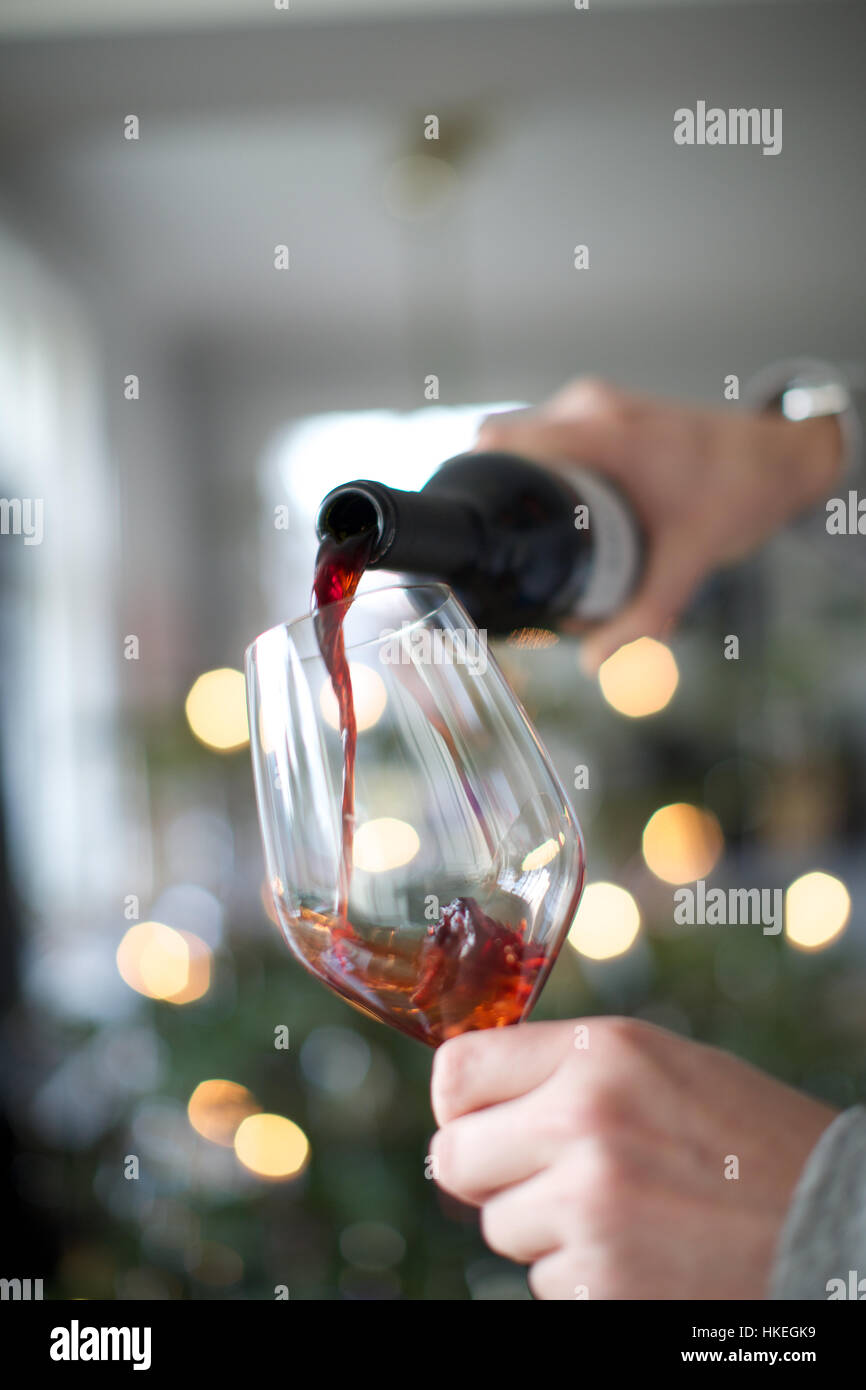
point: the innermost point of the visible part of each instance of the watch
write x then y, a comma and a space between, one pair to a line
807, 389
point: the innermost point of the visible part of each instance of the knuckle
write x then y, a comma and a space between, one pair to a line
497, 431
495, 1227
564, 1117
607, 1177
596, 386
600, 1109
596, 393
570, 1203
553, 1278
444, 1148
452, 1067
539, 1280
627, 1036
588, 1099
586, 1108
604, 1280
490, 434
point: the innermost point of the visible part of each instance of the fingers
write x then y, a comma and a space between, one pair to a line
526, 1222
589, 396
675, 570
479, 1155
554, 1278
516, 1097
483, 1069
650, 450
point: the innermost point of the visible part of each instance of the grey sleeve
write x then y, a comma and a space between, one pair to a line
824, 1236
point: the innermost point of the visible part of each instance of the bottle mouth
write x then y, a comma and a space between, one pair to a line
354, 508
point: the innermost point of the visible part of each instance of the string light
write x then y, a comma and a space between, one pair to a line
384, 844
817, 908
216, 1109
640, 678
216, 710
682, 843
272, 1146
157, 961
606, 923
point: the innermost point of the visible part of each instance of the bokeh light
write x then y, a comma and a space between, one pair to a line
198, 979
640, 678
369, 693
817, 908
272, 1146
606, 923
682, 843
384, 844
216, 710
216, 1109
162, 963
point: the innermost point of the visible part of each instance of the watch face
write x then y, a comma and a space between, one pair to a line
805, 400
800, 389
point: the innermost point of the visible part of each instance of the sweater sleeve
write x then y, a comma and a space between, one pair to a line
824, 1236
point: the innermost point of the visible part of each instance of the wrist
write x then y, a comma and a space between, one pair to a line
815, 455
824, 441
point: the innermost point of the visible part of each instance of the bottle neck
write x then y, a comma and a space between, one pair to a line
520, 544
416, 532
501, 530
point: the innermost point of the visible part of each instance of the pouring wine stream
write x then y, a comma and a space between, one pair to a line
485, 967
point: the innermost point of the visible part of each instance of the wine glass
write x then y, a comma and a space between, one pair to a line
441, 907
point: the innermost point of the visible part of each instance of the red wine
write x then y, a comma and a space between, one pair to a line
468, 970
339, 567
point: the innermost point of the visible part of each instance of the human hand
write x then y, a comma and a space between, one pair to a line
708, 485
603, 1166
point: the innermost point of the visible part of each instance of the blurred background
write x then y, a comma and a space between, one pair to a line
180, 406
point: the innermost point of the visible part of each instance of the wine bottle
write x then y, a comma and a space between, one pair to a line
521, 545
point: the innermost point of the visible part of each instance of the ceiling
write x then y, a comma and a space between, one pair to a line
558, 130
26, 18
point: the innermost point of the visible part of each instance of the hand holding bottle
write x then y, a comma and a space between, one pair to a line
709, 485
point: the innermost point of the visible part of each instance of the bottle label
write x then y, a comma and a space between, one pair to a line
616, 548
